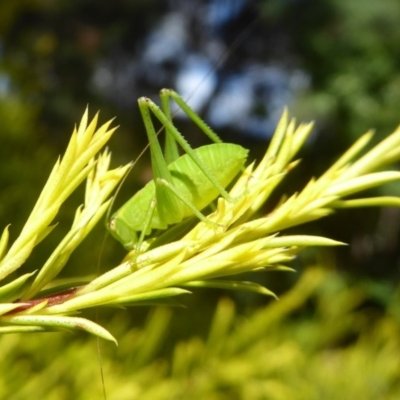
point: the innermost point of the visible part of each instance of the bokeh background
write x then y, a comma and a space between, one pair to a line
238, 63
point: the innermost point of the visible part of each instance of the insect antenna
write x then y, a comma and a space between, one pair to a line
221, 60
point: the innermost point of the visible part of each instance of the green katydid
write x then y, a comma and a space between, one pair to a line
182, 185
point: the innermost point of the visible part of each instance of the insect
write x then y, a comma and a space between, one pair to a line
182, 185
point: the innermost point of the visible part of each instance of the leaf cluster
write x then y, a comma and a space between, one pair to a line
234, 239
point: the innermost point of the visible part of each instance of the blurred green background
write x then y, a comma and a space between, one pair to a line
239, 62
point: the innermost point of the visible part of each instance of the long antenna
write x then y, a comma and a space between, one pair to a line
226, 54
235, 44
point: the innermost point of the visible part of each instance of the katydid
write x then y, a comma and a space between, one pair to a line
182, 185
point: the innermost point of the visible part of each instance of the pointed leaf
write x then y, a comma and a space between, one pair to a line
233, 285
14, 289
57, 322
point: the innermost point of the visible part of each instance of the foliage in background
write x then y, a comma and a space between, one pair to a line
353, 53
326, 338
